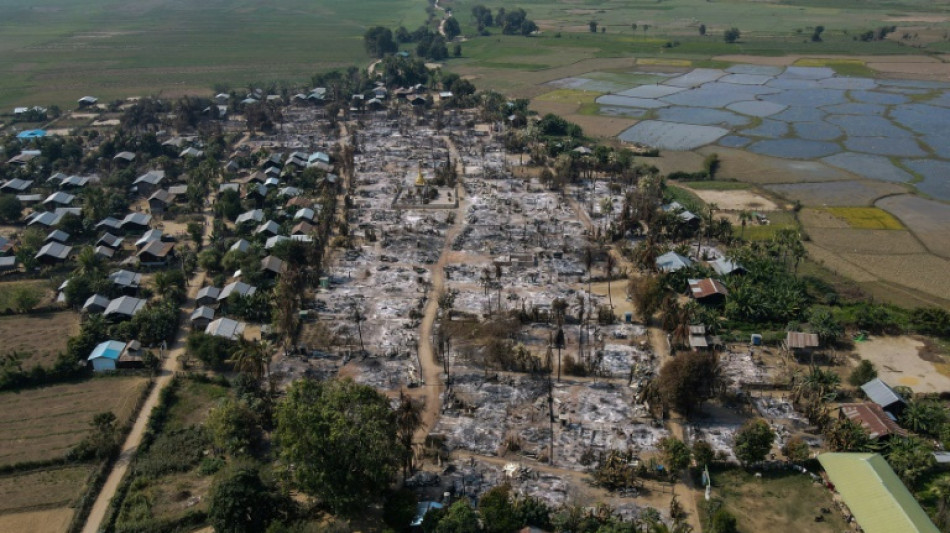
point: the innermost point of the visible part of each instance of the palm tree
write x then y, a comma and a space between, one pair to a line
252, 358
87, 262
359, 318
580, 328
816, 384
408, 420
744, 218
611, 264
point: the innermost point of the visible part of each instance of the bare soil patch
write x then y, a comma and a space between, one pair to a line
736, 200
899, 362
863, 241
927, 219
761, 169
922, 272
41, 337
41, 424
837, 265
838, 193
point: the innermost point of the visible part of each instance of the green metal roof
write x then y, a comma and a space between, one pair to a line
876, 496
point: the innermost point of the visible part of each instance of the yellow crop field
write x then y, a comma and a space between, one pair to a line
866, 217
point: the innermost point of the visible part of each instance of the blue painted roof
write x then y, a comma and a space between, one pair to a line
107, 350
31, 134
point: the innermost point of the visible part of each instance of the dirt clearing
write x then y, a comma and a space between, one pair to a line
735, 200
898, 362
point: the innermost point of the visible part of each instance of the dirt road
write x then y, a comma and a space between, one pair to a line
431, 392
658, 342
130, 447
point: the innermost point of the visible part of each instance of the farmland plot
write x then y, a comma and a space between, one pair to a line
42, 424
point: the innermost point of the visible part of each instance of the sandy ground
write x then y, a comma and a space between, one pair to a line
431, 391
735, 200
898, 363
49, 521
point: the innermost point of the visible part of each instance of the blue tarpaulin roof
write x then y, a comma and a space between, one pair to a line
31, 134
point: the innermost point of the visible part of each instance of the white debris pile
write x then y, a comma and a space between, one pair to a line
739, 369
719, 435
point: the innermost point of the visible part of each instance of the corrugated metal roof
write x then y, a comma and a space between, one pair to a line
107, 350
706, 287
672, 261
225, 327
880, 393
797, 340
872, 418
875, 495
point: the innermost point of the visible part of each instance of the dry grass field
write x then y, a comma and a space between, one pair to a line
41, 337
8, 290
48, 521
42, 489
42, 424
776, 502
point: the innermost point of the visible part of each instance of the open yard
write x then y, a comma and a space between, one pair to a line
40, 338
41, 424
783, 501
898, 361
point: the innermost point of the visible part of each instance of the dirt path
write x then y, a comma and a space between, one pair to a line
661, 347
129, 448
431, 391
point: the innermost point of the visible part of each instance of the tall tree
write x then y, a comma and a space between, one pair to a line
241, 502
687, 380
408, 420
342, 438
379, 41
753, 441
252, 358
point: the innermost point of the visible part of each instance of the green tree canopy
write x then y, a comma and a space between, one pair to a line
687, 380
379, 41
341, 438
753, 441
10, 208
242, 502
862, 373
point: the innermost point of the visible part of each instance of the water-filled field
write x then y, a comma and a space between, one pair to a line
888, 130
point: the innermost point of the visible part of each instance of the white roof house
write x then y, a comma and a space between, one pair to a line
225, 327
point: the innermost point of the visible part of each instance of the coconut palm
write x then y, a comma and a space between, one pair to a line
87, 262
816, 384
252, 358
744, 218
408, 420
609, 267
